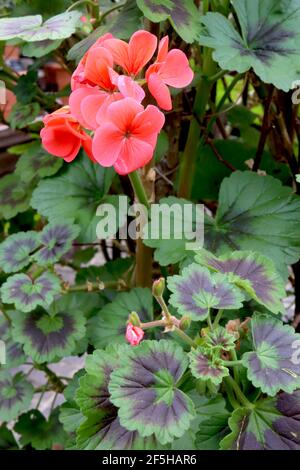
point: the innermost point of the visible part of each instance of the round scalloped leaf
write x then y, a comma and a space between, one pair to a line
183, 15
273, 424
102, 429
253, 272
274, 364
22, 115
27, 293
109, 325
74, 195
35, 162
15, 251
32, 28
197, 290
145, 388
14, 354
254, 213
14, 196
39, 432
204, 367
269, 41
15, 395
46, 338
56, 239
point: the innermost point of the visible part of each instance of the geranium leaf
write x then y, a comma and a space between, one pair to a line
47, 338
219, 339
273, 365
14, 196
197, 290
109, 325
183, 15
16, 251
27, 294
269, 40
56, 239
40, 48
14, 355
22, 115
170, 248
205, 367
102, 429
15, 395
250, 271
144, 387
273, 424
35, 162
74, 195
32, 28
39, 432
254, 213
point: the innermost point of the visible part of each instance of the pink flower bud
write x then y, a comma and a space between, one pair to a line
134, 334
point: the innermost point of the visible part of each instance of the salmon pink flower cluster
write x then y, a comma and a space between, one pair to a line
106, 115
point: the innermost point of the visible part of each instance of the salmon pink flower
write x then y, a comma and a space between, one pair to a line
134, 334
171, 68
134, 56
128, 135
63, 136
89, 105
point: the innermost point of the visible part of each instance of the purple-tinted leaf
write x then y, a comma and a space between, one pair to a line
219, 339
204, 366
12, 27
27, 293
274, 364
14, 354
197, 290
15, 395
101, 429
46, 338
14, 196
145, 389
15, 251
56, 239
272, 424
250, 271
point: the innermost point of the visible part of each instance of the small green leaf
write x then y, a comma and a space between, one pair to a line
14, 196
22, 115
56, 239
16, 251
35, 162
204, 366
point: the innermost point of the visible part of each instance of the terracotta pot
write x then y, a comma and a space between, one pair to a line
11, 53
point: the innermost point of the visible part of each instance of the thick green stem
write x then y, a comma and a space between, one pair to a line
164, 308
138, 188
218, 318
53, 379
181, 334
187, 166
80, 2
236, 372
234, 403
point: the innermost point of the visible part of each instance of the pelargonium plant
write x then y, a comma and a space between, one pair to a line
150, 221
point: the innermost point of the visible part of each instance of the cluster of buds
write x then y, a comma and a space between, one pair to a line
105, 114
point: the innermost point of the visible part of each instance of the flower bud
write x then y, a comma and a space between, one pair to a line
134, 319
185, 323
158, 287
134, 334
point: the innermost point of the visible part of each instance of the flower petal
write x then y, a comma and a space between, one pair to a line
123, 112
175, 71
75, 101
163, 49
135, 153
96, 67
119, 52
59, 142
160, 91
130, 89
148, 122
90, 106
87, 146
142, 46
107, 144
